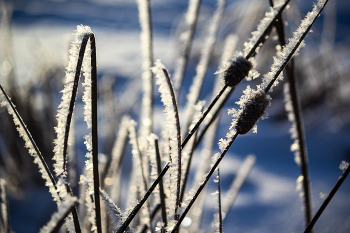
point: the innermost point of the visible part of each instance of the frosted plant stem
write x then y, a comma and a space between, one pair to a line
27, 136
268, 29
147, 77
73, 98
144, 199
58, 218
74, 212
237, 184
204, 182
214, 116
328, 199
178, 136
186, 39
4, 208
299, 124
299, 38
250, 54
136, 147
161, 187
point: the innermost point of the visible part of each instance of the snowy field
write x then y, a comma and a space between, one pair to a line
268, 202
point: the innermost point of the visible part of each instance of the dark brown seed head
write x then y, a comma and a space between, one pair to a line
252, 112
236, 72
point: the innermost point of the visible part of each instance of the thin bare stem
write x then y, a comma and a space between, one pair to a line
328, 199
205, 181
299, 124
144, 199
219, 202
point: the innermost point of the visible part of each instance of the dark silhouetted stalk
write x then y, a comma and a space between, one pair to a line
219, 202
328, 199
144, 199
299, 123
205, 181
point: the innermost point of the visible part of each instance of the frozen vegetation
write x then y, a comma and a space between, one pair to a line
162, 104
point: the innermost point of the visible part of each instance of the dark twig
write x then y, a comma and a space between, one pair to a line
299, 123
144, 199
205, 181
219, 202
328, 199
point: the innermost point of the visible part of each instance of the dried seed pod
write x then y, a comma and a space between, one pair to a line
252, 111
237, 71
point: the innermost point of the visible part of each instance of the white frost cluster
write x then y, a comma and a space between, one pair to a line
63, 108
343, 166
63, 209
292, 47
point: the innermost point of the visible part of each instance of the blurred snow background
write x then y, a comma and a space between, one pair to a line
41, 33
